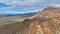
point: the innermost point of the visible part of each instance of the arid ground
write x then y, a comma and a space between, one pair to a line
44, 22
10, 24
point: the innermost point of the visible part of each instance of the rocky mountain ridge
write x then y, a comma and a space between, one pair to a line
44, 22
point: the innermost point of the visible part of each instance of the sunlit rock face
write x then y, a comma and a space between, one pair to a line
49, 20
44, 22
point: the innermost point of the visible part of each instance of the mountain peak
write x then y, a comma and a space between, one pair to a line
52, 8
45, 21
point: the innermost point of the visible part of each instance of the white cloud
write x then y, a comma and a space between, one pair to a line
20, 2
57, 5
26, 4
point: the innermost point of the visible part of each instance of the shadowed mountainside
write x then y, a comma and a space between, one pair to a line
44, 22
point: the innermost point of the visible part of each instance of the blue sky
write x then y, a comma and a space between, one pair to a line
25, 6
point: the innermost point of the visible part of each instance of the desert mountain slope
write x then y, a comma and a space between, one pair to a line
44, 22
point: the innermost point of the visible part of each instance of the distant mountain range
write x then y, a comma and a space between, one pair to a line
26, 14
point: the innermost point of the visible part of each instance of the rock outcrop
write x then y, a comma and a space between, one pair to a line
44, 22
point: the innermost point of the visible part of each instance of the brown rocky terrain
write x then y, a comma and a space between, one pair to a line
44, 22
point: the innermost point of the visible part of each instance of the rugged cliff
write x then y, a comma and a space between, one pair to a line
44, 22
